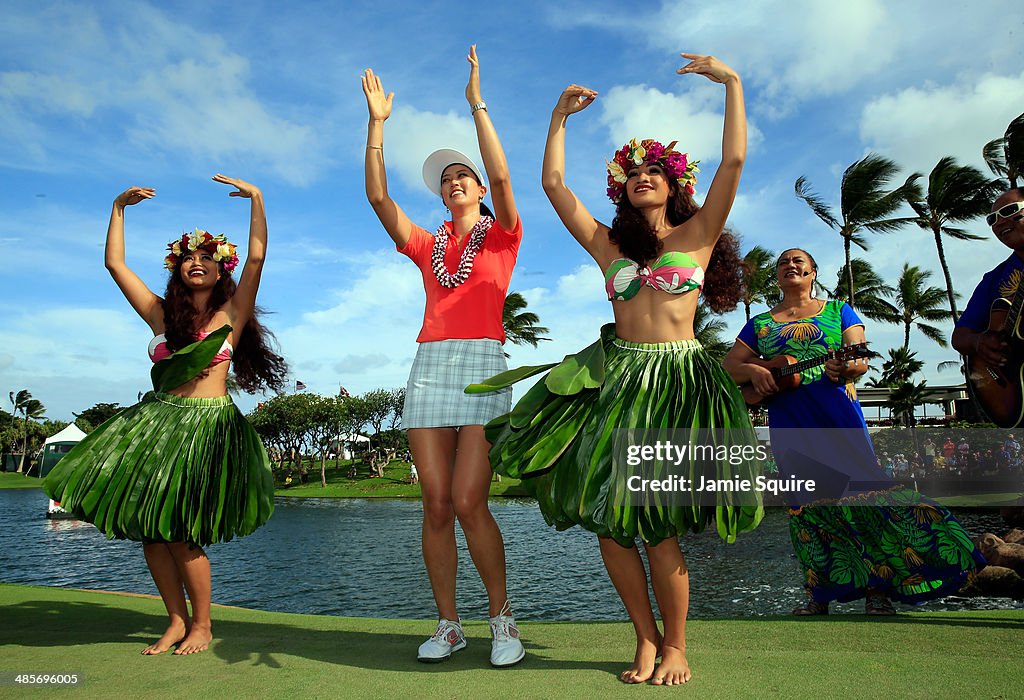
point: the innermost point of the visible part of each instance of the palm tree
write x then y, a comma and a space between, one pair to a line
1005, 155
708, 328
31, 409
759, 285
521, 326
904, 398
872, 292
865, 205
917, 303
899, 368
956, 194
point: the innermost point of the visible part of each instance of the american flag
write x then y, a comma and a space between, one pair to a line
299, 386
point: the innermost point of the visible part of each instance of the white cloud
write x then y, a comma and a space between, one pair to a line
161, 86
917, 126
694, 119
410, 135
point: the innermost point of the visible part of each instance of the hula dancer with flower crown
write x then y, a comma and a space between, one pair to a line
466, 267
645, 376
183, 468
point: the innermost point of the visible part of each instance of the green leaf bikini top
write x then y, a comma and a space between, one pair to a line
672, 272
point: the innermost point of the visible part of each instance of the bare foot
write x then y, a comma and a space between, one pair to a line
673, 669
198, 639
643, 663
174, 634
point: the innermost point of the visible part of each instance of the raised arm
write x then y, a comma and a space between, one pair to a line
713, 214
143, 300
391, 216
241, 305
490, 149
567, 205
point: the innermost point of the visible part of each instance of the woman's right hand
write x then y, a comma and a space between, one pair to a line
574, 99
762, 380
134, 195
377, 101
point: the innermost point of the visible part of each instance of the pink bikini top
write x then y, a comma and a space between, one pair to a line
158, 349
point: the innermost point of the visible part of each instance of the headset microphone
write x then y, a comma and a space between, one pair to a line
806, 273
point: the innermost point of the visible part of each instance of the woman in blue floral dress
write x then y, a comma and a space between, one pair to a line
857, 534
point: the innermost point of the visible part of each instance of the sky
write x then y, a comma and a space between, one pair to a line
95, 97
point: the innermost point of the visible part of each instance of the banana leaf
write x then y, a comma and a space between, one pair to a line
188, 362
507, 378
583, 370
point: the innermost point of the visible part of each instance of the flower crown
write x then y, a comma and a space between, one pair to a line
677, 165
218, 246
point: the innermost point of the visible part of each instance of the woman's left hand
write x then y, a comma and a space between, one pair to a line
834, 370
245, 189
708, 66
473, 87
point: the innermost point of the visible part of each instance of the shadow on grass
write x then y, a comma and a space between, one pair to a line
39, 623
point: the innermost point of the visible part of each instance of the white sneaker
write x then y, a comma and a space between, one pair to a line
447, 639
506, 649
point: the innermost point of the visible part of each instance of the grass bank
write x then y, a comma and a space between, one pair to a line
11, 480
394, 484
260, 654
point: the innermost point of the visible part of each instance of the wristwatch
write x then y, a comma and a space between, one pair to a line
479, 105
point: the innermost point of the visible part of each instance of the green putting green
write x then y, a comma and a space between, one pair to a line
278, 655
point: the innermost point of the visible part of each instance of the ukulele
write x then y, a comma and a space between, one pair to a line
998, 389
786, 369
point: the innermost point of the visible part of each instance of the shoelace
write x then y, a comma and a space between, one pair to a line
502, 623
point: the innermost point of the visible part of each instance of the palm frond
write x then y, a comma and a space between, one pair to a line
815, 202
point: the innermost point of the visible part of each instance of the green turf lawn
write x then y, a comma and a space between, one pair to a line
980, 500
394, 484
277, 655
10, 480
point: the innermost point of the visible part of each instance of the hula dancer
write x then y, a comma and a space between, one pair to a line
183, 468
859, 535
466, 267
646, 374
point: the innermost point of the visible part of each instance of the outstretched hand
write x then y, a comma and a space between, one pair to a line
244, 188
377, 101
473, 86
708, 66
575, 98
134, 195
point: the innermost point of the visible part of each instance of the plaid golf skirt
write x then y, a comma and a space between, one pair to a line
435, 395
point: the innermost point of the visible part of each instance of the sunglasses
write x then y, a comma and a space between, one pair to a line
1004, 212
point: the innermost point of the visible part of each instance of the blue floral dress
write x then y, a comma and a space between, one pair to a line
861, 530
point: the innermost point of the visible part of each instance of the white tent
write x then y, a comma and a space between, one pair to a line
72, 433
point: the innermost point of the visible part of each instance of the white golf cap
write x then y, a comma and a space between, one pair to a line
437, 161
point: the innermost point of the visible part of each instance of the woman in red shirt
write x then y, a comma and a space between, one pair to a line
466, 267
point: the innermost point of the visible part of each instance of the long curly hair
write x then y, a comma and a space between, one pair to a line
256, 365
637, 241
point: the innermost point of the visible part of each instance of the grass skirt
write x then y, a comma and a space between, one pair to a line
559, 439
169, 469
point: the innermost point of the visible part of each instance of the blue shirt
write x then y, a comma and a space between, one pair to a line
1000, 283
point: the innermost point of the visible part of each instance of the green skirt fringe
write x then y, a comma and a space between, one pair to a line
559, 439
169, 469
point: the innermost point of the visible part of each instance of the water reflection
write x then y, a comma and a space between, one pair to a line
362, 558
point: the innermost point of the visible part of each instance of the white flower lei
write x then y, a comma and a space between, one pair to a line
476, 242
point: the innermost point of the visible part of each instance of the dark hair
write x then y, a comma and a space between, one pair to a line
814, 264
636, 240
257, 366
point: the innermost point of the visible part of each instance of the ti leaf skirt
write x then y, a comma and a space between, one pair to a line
169, 469
560, 438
